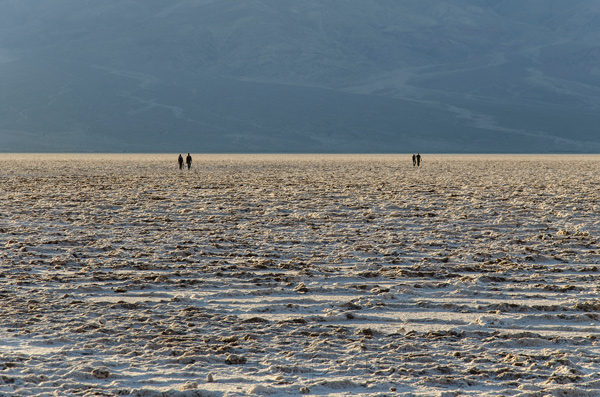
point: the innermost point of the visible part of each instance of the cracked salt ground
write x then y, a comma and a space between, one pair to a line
289, 275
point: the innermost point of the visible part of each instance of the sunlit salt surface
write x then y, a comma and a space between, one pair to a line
342, 274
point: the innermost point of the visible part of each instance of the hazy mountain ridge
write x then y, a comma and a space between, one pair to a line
325, 76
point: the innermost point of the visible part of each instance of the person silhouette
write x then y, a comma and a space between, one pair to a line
180, 160
188, 161
414, 160
418, 159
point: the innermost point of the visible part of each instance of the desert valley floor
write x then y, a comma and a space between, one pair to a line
349, 275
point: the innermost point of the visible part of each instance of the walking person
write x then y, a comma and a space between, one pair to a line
180, 160
414, 160
418, 159
188, 161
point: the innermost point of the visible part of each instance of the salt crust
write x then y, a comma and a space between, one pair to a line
297, 274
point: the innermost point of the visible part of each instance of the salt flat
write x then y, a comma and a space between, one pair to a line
345, 275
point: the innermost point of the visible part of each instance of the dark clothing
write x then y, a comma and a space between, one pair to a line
188, 161
180, 160
414, 160
418, 160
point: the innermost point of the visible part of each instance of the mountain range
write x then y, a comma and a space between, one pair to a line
321, 76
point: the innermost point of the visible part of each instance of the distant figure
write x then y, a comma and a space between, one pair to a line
418, 159
188, 161
180, 160
414, 160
